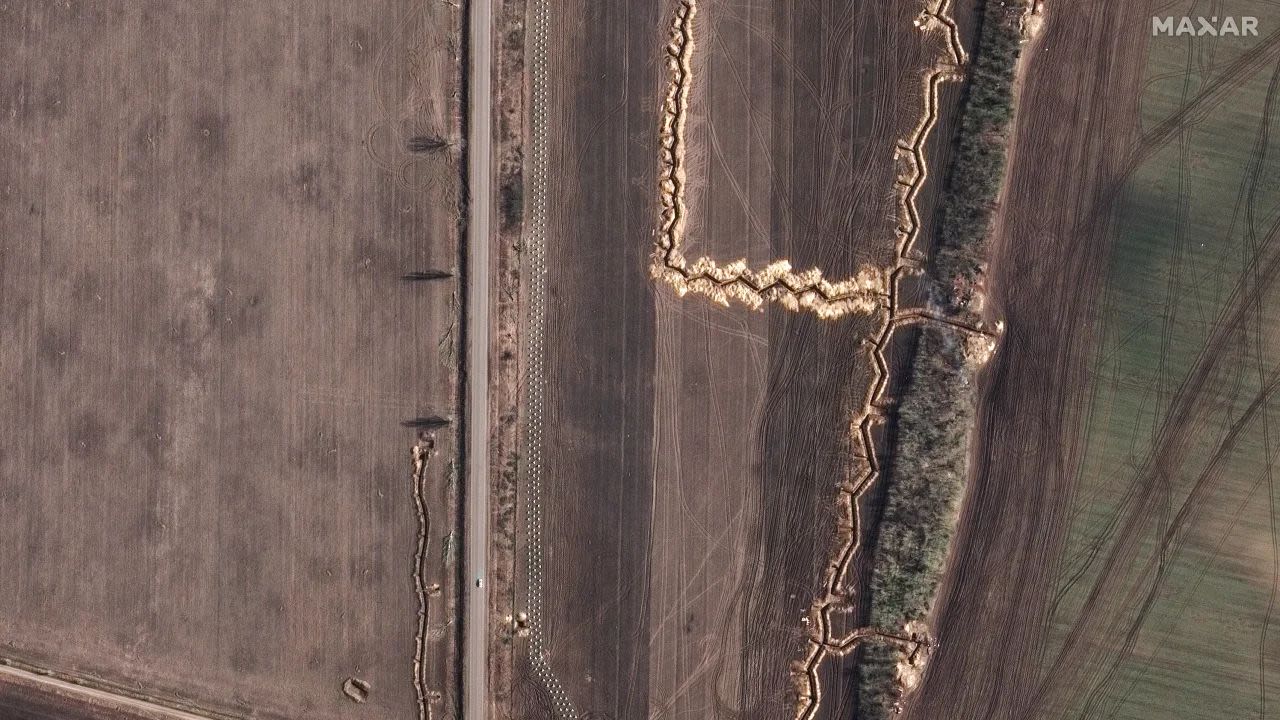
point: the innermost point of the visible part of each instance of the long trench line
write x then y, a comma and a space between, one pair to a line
735, 281
776, 282
872, 291
420, 455
823, 642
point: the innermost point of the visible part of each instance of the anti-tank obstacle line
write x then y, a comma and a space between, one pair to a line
535, 380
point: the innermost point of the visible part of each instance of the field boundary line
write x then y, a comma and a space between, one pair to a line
535, 380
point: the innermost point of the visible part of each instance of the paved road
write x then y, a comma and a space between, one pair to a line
475, 628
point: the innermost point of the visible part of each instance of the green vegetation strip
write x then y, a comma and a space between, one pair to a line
977, 170
924, 488
926, 478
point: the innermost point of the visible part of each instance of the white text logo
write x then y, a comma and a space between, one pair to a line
1197, 26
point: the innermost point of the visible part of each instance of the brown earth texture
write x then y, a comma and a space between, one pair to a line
695, 455
209, 495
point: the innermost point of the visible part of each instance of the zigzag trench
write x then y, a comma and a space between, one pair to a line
776, 282
872, 291
420, 455
822, 640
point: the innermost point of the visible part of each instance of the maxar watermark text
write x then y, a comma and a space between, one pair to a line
1196, 26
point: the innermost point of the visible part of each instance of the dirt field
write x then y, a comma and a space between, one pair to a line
694, 452
1077, 125
207, 494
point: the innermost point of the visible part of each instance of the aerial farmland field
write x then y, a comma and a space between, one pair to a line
1149, 581
1167, 587
639, 360
691, 492
216, 497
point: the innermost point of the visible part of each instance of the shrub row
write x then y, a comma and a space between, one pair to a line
977, 168
930, 449
925, 481
925, 478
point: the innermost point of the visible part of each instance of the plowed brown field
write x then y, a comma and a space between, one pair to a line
694, 452
1077, 130
207, 492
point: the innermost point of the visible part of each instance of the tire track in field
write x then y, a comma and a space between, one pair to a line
1251, 236
872, 291
1174, 286
1171, 542
125, 698
1155, 139
1171, 445
1239, 511
1246, 197
1133, 161
1248, 64
1145, 492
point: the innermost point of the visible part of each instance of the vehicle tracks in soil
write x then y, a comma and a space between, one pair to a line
1171, 531
1172, 439
872, 291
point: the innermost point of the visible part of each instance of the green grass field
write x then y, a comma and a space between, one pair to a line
1167, 603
